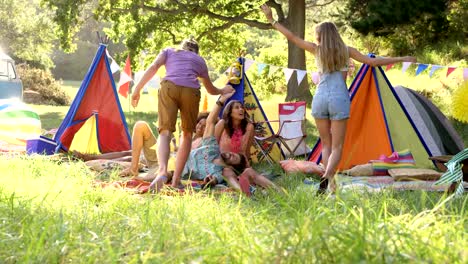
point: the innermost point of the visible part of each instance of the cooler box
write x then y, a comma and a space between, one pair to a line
42, 145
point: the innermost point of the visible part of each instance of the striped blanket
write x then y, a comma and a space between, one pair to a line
397, 160
454, 174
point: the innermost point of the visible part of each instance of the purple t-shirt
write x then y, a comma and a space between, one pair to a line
183, 67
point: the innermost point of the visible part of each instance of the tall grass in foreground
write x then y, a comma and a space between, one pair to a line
51, 213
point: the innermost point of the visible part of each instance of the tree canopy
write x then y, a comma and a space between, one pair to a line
27, 32
409, 24
146, 26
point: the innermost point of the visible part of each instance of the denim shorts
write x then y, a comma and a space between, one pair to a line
331, 101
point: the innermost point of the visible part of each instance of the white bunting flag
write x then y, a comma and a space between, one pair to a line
288, 73
465, 74
273, 69
300, 76
433, 69
406, 64
114, 66
247, 64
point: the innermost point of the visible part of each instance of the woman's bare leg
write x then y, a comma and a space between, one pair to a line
105, 156
324, 129
182, 155
338, 131
259, 179
231, 178
141, 133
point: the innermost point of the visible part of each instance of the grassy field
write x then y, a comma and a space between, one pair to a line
52, 211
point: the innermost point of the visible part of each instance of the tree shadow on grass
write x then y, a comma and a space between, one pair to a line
51, 120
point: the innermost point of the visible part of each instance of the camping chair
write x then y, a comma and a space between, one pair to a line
290, 135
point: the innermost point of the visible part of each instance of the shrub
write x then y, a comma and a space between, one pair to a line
41, 81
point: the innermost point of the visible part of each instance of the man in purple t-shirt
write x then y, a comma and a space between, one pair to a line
180, 90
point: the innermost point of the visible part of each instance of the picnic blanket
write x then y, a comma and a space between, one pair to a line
375, 184
140, 186
380, 183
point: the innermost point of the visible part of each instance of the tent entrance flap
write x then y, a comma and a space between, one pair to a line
86, 138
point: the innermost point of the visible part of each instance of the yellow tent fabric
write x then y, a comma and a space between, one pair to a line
86, 140
262, 128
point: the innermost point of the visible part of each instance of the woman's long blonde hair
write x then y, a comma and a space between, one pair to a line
332, 53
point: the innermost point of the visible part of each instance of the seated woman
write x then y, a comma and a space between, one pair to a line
234, 132
199, 129
209, 164
143, 140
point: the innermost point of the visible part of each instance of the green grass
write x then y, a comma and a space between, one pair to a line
51, 213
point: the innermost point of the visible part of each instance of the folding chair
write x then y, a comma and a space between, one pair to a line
291, 132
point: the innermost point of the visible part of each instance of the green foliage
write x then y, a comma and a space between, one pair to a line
154, 25
409, 25
74, 63
74, 66
27, 32
266, 84
42, 81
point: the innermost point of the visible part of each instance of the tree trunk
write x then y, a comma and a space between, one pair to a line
296, 56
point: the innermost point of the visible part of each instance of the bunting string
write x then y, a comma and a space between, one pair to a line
315, 77
300, 74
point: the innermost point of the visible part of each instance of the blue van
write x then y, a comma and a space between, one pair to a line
11, 86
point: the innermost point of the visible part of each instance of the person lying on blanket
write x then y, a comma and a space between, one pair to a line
207, 163
144, 140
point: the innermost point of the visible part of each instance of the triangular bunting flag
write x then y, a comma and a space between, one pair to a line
315, 77
125, 78
114, 66
421, 67
300, 76
450, 70
389, 66
261, 67
288, 73
272, 70
247, 64
433, 69
406, 64
465, 74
